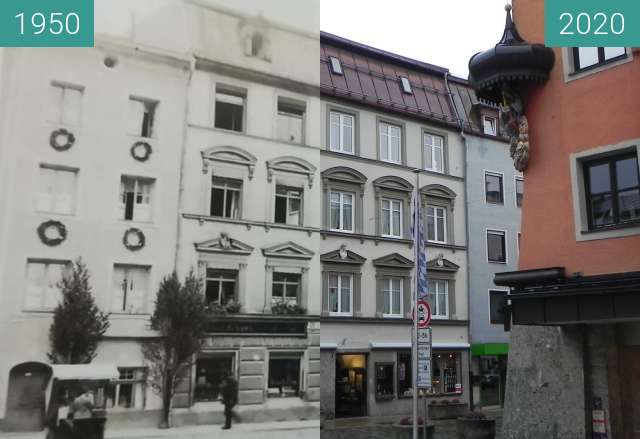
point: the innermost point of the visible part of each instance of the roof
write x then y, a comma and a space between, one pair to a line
372, 77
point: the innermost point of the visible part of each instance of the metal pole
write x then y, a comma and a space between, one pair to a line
414, 335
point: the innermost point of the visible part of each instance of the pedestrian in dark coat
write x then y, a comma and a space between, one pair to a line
229, 390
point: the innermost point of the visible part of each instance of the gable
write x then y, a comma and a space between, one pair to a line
343, 256
224, 244
229, 154
289, 250
394, 260
442, 264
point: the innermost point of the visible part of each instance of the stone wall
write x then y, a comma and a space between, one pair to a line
328, 394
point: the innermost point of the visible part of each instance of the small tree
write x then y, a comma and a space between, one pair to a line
180, 318
78, 324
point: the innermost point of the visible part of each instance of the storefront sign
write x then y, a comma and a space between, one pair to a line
458, 388
268, 327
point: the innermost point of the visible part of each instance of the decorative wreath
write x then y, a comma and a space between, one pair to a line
61, 139
133, 239
141, 151
52, 232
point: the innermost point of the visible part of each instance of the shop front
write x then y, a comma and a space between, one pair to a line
489, 373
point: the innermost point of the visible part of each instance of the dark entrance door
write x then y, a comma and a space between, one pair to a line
351, 385
210, 371
630, 391
26, 397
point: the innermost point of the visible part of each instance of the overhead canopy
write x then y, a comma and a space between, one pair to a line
85, 371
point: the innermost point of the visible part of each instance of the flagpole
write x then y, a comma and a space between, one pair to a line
414, 334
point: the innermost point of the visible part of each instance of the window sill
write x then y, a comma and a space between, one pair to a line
340, 315
66, 215
497, 262
363, 237
617, 231
128, 315
612, 227
38, 310
494, 203
596, 68
341, 152
248, 223
393, 316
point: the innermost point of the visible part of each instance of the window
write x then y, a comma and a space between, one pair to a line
436, 224
284, 375
65, 104
391, 218
291, 120
612, 190
490, 125
42, 282
336, 66
128, 391
406, 85
141, 116
257, 43
340, 294
519, 191
392, 296
433, 152
405, 389
447, 373
288, 206
211, 370
496, 306
135, 198
493, 188
439, 298
220, 286
341, 211
56, 190
225, 197
229, 109
384, 380
588, 57
390, 143
341, 132
130, 286
285, 288
496, 248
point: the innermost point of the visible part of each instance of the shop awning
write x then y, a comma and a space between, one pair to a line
85, 371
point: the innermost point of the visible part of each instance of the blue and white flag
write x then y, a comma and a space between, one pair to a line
421, 263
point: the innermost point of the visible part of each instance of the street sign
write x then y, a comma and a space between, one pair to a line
424, 314
424, 358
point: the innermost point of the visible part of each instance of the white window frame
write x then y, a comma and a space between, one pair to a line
336, 65
387, 146
389, 290
340, 277
134, 382
62, 116
125, 301
433, 151
484, 186
230, 95
283, 106
288, 196
391, 210
137, 182
406, 85
221, 278
52, 202
486, 243
435, 224
226, 188
341, 210
285, 283
436, 300
494, 125
515, 189
44, 288
341, 118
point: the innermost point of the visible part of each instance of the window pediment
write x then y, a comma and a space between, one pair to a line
391, 182
293, 165
344, 174
343, 256
438, 191
442, 264
394, 260
224, 244
288, 250
228, 154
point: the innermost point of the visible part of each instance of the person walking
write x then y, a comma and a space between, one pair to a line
229, 387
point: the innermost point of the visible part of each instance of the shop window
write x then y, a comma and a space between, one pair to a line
284, 376
288, 205
340, 294
590, 57
128, 391
230, 107
285, 288
65, 103
405, 389
341, 211
225, 197
56, 190
130, 286
391, 218
447, 372
384, 380
519, 191
496, 246
433, 152
494, 192
210, 372
135, 198
291, 120
220, 286
341, 132
612, 188
141, 116
390, 140
42, 280
496, 306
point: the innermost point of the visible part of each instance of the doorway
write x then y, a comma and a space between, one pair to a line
210, 371
351, 385
26, 397
629, 363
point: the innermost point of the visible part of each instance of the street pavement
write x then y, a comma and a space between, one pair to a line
276, 430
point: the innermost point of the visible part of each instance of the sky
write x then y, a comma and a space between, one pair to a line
441, 32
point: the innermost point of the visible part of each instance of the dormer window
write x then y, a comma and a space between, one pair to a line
406, 85
490, 125
336, 65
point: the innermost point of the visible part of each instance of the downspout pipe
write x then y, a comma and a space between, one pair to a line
467, 226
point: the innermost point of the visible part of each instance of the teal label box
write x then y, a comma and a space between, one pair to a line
46, 23
592, 23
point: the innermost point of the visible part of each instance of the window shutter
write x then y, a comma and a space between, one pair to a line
135, 117
72, 106
380, 297
137, 291
35, 279
406, 293
118, 294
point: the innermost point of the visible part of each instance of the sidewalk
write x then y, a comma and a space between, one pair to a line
197, 431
